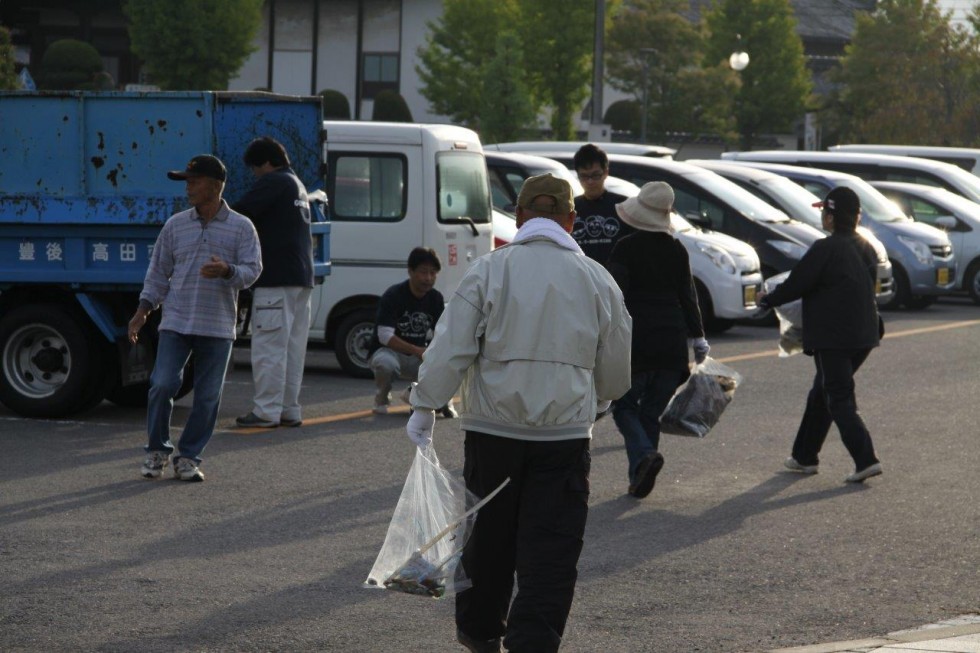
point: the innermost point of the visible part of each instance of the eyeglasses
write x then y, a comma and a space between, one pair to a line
592, 176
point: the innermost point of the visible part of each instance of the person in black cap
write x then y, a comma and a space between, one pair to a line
841, 326
201, 259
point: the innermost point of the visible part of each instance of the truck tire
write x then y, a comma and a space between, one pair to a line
137, 395
353, 343
51, 362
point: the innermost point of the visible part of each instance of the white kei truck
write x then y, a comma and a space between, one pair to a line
392, 187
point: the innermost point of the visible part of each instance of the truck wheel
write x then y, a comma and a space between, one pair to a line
137, 395
353, 342
51, 362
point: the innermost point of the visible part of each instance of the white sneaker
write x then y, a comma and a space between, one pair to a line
791, 464
864, 474
186, 470
154, 464
380, 409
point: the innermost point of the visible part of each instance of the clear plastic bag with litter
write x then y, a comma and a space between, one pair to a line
790, 317
698, 404
432, 521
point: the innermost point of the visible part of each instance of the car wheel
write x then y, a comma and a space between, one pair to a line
712, 323
51, 362
900, 281
971, 281
353, 343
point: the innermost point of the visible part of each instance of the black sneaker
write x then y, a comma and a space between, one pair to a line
646, 474
478, 645
253, 420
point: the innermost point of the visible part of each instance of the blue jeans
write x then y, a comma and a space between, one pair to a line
211, 356
637, 413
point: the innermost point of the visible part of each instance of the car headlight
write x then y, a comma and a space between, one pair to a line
792, 250
719, 257
918, 248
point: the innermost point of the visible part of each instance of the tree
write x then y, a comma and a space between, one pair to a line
390, 106
193, 44
776, 85
69, 64
8, 74
451, 63
335, 105
506, 118
654, 53
907, 77
558, 39
555, 36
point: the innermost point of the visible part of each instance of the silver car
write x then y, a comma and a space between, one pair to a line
957, 216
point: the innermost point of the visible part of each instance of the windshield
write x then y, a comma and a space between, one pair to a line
740, 199
875, 205
463, 187
967, 184
798, 200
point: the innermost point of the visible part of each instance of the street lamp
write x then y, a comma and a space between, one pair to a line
646, 54
739, 59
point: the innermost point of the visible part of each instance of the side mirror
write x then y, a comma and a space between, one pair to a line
946, 222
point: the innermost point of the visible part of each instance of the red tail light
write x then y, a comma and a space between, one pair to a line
498, 242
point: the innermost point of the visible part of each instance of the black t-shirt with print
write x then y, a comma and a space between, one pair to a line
597, 226
413, 319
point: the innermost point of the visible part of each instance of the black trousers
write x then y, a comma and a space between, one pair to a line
534, 527
831, 399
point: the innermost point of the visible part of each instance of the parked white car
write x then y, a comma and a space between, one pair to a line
957, 216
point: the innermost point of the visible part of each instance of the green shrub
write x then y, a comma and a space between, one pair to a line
69, 64
624, 115
8, 76
390, 106
335, 105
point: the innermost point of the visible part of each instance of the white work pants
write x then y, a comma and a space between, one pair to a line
280, 329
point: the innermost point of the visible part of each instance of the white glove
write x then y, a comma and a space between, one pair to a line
420, 426
700, 347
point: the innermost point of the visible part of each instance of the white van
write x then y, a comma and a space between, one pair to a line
967, 158
392, 187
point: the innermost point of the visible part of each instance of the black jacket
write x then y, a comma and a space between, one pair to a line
836, 279
277, 205
654, 273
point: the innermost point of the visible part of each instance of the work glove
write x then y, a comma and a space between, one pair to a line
420, 426
700, 347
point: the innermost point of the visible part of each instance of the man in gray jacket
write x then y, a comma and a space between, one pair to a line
538, 335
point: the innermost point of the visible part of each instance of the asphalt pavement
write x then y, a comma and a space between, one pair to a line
729, 553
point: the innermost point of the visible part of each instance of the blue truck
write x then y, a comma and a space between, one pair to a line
83, 194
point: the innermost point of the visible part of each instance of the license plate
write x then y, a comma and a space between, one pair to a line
942, 276
749, 293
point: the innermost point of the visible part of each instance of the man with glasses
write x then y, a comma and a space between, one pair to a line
597, 225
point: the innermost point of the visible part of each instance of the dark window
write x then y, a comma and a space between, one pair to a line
380, 73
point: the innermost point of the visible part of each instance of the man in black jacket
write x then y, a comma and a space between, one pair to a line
835, 279
278, 206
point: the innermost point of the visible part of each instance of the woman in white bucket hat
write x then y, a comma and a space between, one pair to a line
653, 270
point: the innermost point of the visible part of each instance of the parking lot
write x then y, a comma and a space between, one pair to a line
729, 552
